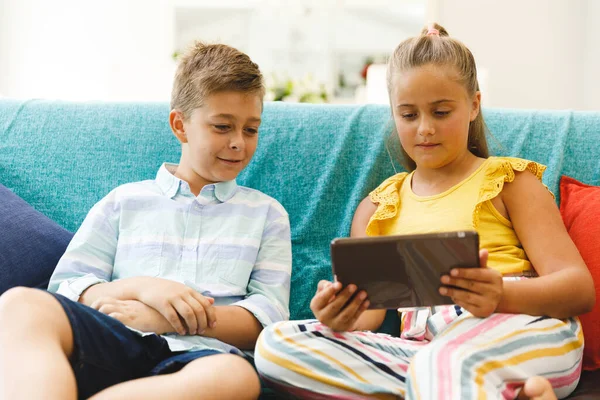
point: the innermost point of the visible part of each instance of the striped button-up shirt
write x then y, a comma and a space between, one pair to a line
229, 242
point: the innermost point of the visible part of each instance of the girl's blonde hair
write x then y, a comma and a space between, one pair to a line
435, 46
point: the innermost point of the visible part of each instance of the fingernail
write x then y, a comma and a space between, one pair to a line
362, 296
213, 325
443, 290
454, 272
201, 332
351, 288
445, 279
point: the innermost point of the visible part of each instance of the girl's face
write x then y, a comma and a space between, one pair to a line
432, 111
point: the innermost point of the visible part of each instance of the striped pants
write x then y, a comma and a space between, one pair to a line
443, 353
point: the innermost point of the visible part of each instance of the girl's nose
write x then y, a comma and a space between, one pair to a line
426, 127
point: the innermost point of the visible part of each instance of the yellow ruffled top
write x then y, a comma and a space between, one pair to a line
465, 206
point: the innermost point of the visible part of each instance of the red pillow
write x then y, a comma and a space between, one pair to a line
580, 210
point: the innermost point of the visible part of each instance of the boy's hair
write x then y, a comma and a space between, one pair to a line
444, 51
205, 69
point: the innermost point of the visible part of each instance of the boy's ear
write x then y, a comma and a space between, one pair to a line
475, 106
177, 125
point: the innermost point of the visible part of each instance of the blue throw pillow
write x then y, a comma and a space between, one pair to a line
30, 243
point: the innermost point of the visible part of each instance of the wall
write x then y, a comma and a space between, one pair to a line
533, 52
86, 50
591, 61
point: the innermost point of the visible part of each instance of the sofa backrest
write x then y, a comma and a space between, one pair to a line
319, 161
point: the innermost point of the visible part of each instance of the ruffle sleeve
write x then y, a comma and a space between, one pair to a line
387, 198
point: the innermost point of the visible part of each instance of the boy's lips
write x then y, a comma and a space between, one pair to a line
427, 145
229, 161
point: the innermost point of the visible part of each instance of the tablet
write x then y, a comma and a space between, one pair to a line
403, 271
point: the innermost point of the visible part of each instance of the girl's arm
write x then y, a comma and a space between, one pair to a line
342, 308
369, 320
565, 287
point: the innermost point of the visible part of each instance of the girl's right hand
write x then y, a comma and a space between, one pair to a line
337, 308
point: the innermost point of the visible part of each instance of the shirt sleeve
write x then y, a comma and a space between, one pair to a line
269, 286
90, 256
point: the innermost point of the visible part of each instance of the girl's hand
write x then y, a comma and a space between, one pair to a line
336, 308
477, 290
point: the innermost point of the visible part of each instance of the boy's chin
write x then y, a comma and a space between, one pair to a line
227, 176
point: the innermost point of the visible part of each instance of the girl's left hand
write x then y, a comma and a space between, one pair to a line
477, 290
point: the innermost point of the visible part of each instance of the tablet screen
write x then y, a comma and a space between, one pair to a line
403, 271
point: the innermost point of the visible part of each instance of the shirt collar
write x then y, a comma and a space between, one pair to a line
170, 184
225, 190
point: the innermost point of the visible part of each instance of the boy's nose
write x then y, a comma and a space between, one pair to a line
236, 143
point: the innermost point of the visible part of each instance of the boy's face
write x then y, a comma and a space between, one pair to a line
219, 138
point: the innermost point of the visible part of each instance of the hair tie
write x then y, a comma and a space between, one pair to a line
432, 32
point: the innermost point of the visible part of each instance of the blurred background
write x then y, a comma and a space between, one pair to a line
530, 54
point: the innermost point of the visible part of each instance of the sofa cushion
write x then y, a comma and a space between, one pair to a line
318, 161
580, 210
30, 243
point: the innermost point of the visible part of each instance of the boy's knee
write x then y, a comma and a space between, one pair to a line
15, 300
21, 306
245, 375
237, 378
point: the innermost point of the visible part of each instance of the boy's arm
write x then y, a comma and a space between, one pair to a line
89, 258
268, 289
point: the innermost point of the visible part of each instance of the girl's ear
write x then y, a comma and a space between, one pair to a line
177, 126
475, 106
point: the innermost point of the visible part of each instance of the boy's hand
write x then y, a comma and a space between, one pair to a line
134, 314
176, 301
332, 305
477, 290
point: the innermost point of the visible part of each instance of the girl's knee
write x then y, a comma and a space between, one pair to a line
425, 363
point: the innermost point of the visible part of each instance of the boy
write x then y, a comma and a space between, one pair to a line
189, 252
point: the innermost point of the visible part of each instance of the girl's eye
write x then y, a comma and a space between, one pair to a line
409, 115
251, 131
441, 113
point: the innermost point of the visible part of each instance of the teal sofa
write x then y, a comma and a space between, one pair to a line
319, 161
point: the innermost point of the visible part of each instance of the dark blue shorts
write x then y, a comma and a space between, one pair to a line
106, 352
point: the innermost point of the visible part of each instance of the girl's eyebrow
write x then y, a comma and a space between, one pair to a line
433, 102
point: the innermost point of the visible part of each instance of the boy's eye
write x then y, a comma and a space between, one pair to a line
409, 115
251, 131
441, 113
221, 128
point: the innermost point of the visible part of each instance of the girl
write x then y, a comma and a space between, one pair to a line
504, 327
